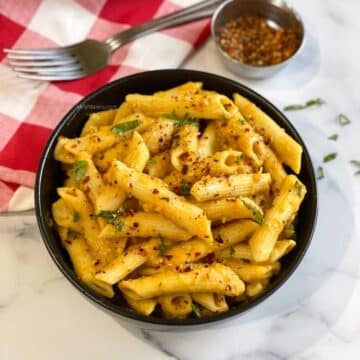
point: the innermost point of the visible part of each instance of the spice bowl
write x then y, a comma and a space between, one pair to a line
257, 38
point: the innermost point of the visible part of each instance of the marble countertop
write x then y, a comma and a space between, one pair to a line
315, 315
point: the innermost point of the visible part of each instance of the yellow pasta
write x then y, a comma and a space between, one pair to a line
288, 150
145, 225
97, 120
184, 152
175, 306
231, 208
205, 105
209, 278
285, 206
226, 186
181, 199
213, 302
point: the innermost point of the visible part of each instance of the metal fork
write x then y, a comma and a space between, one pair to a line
89, 56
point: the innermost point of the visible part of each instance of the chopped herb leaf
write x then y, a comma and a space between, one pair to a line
76, 216
258, 216
111, 217
242, 121
343, 120
231, 250
162, 246
239, 158
71, 234
333, 137
185, 189
152, 161
329, 157
309, 103
298, 188
320, 173
79, 168
122, 128
196, 310
355, 162
118, 224
181, 121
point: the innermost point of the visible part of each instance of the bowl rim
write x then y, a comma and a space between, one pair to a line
107, 304
250, 67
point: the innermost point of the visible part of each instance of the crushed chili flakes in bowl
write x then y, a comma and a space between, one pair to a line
255, 40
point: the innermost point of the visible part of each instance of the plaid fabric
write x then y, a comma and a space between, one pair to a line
29, 110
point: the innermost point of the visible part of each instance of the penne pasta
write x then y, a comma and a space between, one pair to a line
285, 205
213, 302
144, 225
211, 188
199, 278
288, 150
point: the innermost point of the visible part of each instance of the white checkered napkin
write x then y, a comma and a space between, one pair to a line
29, 110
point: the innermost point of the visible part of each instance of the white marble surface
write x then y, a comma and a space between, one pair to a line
316, 315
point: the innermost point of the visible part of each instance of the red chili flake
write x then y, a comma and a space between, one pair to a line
210, 258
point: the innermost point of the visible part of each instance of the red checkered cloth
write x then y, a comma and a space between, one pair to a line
29, 110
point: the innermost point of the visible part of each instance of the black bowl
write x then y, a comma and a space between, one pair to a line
50, 176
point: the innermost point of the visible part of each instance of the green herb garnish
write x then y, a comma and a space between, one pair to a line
258, 216
76, 216
309, 103
196, 310
231, 250
152, 161
79, 168
357, 164
242, 121
320, 173
162, 246
330, 157
111, 217
298, 188
71, 234
333, 137
122, 128
343, 120
181, 121
239, 158
185, 189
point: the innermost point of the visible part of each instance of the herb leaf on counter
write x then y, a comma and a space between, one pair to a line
343, 120
329, 157
333, 137
320, 173
308, 104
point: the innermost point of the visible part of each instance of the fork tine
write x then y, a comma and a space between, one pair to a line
48, 51
38, 56
60, 77
42, 63
47, 70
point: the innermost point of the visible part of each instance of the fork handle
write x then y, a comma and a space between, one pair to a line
198, 11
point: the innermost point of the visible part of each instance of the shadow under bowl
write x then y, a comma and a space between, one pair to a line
50, 176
